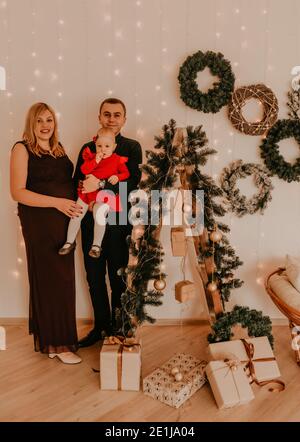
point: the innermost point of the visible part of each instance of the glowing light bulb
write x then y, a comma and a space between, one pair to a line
117, 72
59, 94
119, 34
107, 18
157, 87
109, 54
237, 11
15, 273
164, 50
262, 234
60, 57
235, 64
3, 4
33, 54
32, 89
54, 76
110, 92
138, 3
58, 115
139, 59
243, 28
229, 151
37, 73
20, 260
259, 281
230, 133
264, 11
61, 22
218, 34
138, 112
139, 24
163, 103
9, 94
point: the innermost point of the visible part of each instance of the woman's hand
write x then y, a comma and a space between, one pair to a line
68, 207
113, 179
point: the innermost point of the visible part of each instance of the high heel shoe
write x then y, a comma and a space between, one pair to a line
66, 357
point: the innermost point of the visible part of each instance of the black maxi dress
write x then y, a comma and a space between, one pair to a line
52, 313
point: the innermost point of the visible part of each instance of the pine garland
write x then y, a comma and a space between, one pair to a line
238, 203
270, 151
257, 324
216, 97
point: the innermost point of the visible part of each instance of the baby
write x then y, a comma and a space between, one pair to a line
105, 165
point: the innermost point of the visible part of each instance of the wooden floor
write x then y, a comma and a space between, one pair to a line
35, 388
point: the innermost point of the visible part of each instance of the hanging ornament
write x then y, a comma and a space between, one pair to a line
174, 371
212, 287
160, 284
178, 377
216, 236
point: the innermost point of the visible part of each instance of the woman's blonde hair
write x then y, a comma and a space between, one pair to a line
29, 136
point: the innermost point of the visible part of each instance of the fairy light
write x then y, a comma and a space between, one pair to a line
53, 77
107, 18
33, 54
119, 34
3, 4
20, 260
109, 54
60, 57
243, 28
236, 11
15, 273
117, 72
157, 87
163, 103
218, 34
32, 89
139, 24
109, 92
61, 22
138, 112
59, 94
139, 59
37, 73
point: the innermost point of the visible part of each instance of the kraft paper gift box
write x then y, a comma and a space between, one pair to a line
184, 291
161, 383
120, 364
229, 383
178, 241
261, 354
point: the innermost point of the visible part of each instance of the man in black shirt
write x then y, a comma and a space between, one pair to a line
114, 253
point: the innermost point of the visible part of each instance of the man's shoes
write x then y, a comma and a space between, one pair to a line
91, 339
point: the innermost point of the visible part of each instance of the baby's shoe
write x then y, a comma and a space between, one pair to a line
67, 248
95, 251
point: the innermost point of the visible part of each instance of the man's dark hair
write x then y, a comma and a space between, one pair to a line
113, 101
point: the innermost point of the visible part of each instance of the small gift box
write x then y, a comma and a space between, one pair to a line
120, 364
229, 383
184, 291
255, 354
178, 241
162, 385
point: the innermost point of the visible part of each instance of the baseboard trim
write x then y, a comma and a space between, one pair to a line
159, 322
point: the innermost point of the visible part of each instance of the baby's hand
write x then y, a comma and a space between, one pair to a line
99, 156
113, 179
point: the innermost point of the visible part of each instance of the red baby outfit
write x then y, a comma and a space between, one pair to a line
113, 165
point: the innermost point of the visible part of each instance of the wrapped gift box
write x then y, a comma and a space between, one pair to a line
264, 362
161, 383
178, 241
229, 384
120, 364
184, 291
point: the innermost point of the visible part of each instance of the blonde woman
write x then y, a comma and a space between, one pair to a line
41, 183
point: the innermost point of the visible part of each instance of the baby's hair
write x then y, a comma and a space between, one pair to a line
105, 132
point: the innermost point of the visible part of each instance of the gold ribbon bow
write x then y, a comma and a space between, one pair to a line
249, 348
127, 344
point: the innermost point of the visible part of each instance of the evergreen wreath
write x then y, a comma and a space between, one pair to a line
270, 152
239, 99
237, 202
217, 96
257, 324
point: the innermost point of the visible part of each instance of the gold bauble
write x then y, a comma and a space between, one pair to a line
215, 236
160, 284
174, 370
212, 287
178, 377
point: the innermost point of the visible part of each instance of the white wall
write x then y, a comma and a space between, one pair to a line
74, 53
